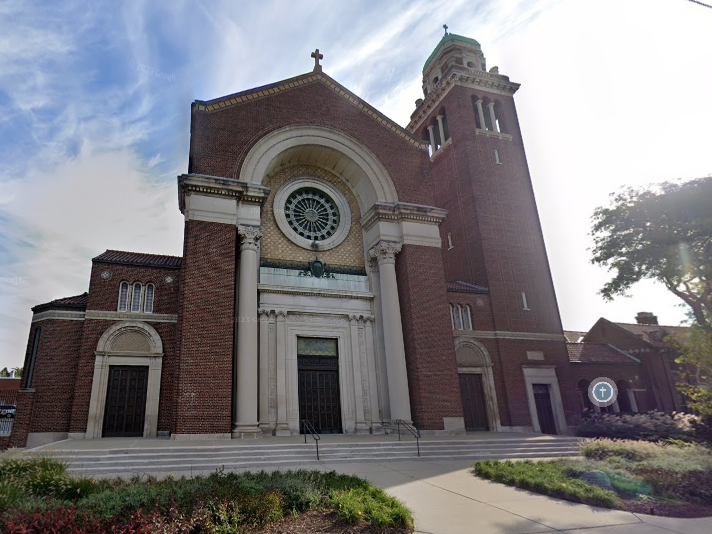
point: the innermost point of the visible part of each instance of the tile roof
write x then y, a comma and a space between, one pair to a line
598, 353
137, 258
655, 334
465, 287
77, 301
574, 336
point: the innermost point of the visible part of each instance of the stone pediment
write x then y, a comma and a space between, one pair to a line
272, 90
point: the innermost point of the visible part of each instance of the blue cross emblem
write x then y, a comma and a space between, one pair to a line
602, 392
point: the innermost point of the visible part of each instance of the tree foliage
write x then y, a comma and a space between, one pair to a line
664, 233
696, 357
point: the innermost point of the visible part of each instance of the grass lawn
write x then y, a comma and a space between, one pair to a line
652, 478
36, 495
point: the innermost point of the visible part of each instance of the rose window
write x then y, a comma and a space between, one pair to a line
312, 214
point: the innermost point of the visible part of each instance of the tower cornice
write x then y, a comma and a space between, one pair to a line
472, 78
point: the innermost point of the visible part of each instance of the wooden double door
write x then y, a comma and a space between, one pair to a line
319, 396
474, 405
125, 409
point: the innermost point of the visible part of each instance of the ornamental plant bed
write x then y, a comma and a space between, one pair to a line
670, 479
37, 495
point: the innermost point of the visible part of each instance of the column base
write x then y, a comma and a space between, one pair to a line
377, 428
282, 430
362, 428
247, 432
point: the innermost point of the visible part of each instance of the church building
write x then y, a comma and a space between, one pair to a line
338, 270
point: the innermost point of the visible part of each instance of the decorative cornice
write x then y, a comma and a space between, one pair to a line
501, 334
402, 211
315, 292
476, 79
106, 315
219, 187
309, 318
385, 252
305, 79
249, 236
62, 315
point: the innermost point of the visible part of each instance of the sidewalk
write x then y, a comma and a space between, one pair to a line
446, 498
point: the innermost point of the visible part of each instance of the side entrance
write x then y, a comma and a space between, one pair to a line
125, 401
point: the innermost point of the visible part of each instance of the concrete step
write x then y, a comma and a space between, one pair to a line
295, 455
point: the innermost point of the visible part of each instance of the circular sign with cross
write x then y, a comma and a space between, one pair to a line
602, 392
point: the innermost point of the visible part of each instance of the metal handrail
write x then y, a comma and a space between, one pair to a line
410, 428
308, 427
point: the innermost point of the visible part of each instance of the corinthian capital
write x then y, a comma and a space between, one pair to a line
385, 252
249, 236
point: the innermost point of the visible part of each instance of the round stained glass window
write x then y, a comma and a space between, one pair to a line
312, 214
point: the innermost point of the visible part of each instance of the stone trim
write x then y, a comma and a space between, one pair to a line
61, 315
545, 374
106, 315
219, 187
475, 79
315, 292
402, 211
496, 135
501, 334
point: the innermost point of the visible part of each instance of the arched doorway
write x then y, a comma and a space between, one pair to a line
477, 389
127, 381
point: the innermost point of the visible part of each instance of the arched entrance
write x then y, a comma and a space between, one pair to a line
127, 382
477, 389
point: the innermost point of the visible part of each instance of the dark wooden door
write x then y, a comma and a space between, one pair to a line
125, 401
319, 400
473, 402
544, 411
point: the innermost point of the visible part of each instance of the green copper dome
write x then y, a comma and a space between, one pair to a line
446, 39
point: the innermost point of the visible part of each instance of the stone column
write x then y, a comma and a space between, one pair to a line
432, 139
247, 358
481, 115
282, 419
356, 355
264, 398
441, 127
385, 252
384, 413
372, 414
490, 107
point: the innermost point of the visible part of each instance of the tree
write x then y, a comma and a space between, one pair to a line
5, 373
664, 233
696, 357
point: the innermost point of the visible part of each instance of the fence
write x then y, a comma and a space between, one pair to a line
8, 401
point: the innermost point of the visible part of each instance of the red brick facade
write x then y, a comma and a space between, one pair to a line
475, 185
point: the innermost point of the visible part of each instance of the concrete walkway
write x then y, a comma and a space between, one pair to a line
446, 498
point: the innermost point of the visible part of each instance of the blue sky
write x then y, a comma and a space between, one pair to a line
95, 115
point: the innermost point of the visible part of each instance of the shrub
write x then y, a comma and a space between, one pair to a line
604, 449
548, 478
649, 426
357, 504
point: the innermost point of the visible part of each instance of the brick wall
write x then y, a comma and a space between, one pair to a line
23, 418
203, 384
430, 353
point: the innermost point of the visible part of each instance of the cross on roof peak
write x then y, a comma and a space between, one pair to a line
445, 27
317, 56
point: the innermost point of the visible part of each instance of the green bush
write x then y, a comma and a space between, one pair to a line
548, 478
648, 426
634, 451
355, 505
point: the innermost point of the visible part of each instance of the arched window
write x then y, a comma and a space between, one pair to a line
123, 296
583, 394
458, 317
148, 299
136, 298
467, 318
623, 398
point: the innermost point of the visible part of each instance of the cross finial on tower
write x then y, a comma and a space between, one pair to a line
445, 26
317, 56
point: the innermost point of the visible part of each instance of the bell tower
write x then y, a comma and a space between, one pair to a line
492, 237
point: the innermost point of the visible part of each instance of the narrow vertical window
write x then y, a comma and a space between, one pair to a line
458, 317
449, 241
33, 357
496, 157
123, 296
524, 301
136, 298
452, 316
467, 318
148, 299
